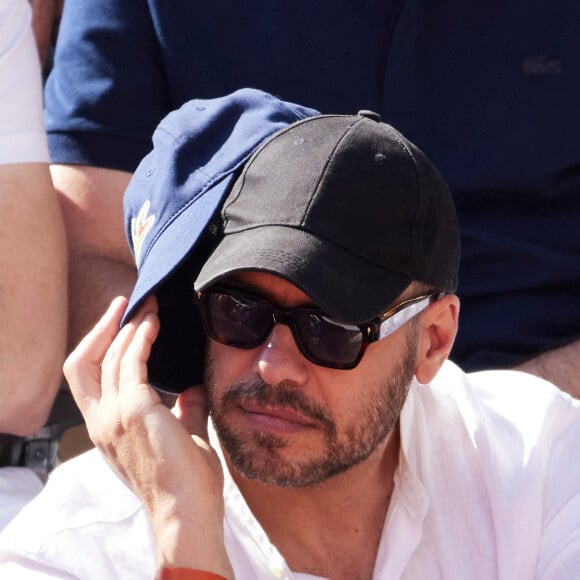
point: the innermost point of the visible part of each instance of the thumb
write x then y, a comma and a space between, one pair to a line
192, 410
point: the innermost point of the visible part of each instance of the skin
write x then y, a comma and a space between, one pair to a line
165, 457
560, 366
100, 263
33, 297
33, 289
45, 20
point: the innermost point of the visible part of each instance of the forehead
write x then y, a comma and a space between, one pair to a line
273, 287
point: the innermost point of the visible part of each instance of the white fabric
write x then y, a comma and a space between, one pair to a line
18, 485
487, 487
22, 135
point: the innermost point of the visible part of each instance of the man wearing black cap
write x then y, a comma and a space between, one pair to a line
345, 445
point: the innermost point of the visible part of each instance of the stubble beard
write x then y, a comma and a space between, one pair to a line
258, 455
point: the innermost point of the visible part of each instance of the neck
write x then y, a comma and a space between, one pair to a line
329, 528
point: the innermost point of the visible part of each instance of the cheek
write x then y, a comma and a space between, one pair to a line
338, 390
347, 392
383, 357
227, 364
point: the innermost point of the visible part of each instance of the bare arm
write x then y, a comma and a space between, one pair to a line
45, 20
560, 366
100, 264
33, 296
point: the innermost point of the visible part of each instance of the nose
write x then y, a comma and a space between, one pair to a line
279, 358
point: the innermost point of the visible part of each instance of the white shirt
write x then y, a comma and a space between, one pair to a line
18, 485
487, 487
22, 135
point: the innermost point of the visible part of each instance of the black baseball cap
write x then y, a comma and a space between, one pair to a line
345, 208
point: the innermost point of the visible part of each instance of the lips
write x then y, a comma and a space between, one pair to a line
272, 418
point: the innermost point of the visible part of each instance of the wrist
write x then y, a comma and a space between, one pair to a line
192, 544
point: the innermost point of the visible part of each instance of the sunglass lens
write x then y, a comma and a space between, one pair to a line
329, 343
237, 321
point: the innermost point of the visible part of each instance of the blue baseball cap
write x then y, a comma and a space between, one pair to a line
172, 221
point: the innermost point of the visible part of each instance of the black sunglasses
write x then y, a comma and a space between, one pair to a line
236, 318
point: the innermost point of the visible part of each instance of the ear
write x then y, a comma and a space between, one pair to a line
438, 327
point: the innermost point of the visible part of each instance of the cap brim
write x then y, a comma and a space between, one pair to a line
176, 242
338, 281
178, 354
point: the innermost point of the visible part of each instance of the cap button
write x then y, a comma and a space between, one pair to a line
370, 115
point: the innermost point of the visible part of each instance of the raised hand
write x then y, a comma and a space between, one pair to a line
167, 462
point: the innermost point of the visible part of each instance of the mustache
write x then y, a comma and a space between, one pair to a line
284, 394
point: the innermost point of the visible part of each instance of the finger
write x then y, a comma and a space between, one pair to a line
133, 369
111, 366
82, 368
95, 344
192, 410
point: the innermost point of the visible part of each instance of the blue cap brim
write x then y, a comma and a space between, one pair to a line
176, 243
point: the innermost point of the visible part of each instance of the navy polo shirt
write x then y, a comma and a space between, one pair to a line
488, 90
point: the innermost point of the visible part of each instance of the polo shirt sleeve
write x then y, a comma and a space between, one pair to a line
107, 89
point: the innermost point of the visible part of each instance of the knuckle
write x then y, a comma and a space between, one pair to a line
72, 364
